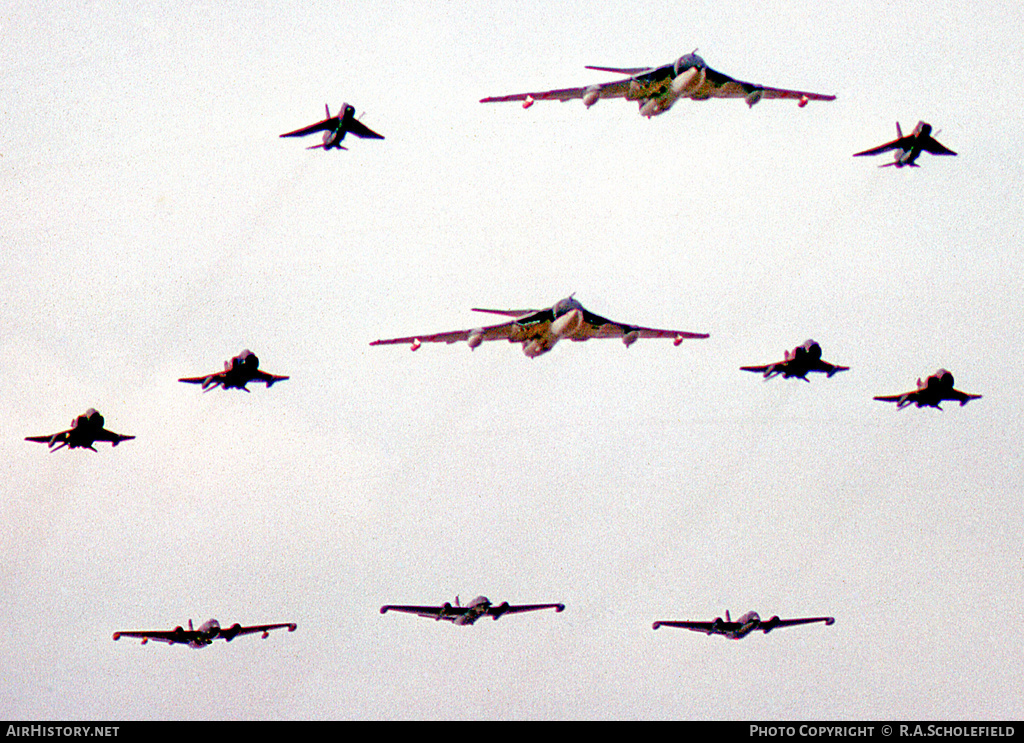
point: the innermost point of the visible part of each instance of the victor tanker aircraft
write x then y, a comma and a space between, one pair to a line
798, 363
335, 128
656, 89
907, 149
205, 635
468, 614
539, 330
935, 389
238, 372
749, 622
85, 431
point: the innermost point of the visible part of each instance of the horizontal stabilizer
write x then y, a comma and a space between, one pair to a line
620, 70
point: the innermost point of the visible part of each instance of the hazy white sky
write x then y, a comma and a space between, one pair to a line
154, 225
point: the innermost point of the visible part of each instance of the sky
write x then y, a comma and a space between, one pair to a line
155, 225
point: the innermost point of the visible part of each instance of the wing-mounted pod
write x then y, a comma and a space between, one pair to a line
476, 337
590, 96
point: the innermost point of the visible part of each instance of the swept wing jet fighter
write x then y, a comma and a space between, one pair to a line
798, 363
749, 622
335, 128
85, 431
238, 372
656, 89
540, 330
907, 149
205, 635
468, 614
935, 389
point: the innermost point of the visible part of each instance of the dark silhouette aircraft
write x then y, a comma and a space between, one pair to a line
335, 128
798, 363
468, 614
749, 622
935, 389
910, 147
656, 89
540, 330
205, 635
238, 372
85, 431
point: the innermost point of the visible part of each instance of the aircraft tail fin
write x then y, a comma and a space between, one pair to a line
899, 132
727, 617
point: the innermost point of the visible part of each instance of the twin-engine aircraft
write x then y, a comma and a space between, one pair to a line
85, 431
238, 372
539, 330
335, 128
656, 89
205, 635
798, 363
749, 622
935, 389
468, 614
907, 149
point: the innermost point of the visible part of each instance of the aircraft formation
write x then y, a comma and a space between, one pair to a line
655, 90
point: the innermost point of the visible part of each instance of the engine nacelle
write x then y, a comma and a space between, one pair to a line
770, 624
497, 611
688, 81
631, 337
753, 97
476, 337
231, 632
536, 347
650, 107
591, 96
567, 324
941, 378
